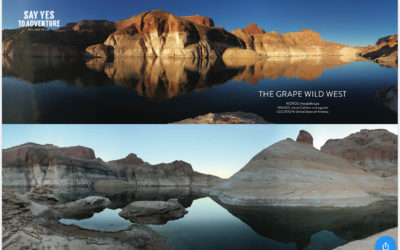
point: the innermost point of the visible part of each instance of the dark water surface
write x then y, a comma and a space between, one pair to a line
210, 225
42, 90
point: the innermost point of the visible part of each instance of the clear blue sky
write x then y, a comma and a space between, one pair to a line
220, 150
352, 22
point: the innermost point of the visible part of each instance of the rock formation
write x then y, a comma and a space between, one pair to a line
161, 34
253, 29
388, 95
29, 225
303, 43
383, 52
305, 138
82, 208
130, 159
200, 20
177, 173
48, 165
40, 165
153, 212
289, 173
42, 195
375, 150
237, 117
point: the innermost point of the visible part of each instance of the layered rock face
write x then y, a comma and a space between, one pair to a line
289, 173
177, 173
383, 52
161, 34
40, 165
302, 43
48, 165
376, 150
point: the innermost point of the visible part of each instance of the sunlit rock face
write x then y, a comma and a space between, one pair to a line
158, 33
383, 52
161, 34
302, 43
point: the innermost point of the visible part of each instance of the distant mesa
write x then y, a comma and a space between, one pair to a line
253, 29
130, 159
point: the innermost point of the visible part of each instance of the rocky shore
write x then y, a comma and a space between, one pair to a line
29, 225
161, 34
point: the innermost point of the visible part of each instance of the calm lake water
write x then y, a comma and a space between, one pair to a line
210, 225
42, 90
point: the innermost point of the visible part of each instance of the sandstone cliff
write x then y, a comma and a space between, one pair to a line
40, 165
375, 150
289, 173
161, 34
303, 43
383, 52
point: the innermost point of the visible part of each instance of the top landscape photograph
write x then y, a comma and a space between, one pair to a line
208, 62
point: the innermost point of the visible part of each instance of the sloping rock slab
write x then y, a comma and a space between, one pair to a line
153, 212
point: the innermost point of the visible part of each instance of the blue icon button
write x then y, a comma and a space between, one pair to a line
385, 243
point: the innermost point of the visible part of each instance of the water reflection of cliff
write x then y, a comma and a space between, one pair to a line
299, 224
120, 197
163, 79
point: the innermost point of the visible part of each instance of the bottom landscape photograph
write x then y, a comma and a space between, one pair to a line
198, 186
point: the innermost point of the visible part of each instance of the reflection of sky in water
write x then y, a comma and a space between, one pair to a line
206, 226
107, 220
